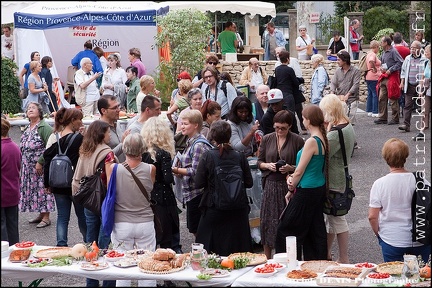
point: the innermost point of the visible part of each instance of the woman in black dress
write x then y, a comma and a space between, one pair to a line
222, 231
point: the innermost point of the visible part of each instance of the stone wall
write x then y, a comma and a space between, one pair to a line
235, 69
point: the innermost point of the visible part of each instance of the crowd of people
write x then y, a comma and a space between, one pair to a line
216, 125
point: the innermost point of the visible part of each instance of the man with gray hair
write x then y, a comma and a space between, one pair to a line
412, 66
86, 90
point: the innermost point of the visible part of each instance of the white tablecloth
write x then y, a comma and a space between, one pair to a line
20, 272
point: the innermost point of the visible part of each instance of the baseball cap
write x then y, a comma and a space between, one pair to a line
184, 75
274, 96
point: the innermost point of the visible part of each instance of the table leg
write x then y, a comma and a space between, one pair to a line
35, 283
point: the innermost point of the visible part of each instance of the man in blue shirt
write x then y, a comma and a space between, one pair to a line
89, 53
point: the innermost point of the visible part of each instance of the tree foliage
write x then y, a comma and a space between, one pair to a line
10, 87
343, 7
186, 32
380, 17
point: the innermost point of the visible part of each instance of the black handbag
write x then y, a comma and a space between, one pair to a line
271, 81
337, 203
92, 191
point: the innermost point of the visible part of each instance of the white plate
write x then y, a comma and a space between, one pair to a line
36, 261
263, 274
215, 273
93, 266
113, 259
125, 263
366, 265
281, 266
378, 281
14, 247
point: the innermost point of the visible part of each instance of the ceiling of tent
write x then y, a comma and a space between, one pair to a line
10, 7
248, 7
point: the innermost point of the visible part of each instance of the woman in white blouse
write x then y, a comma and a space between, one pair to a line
114, 79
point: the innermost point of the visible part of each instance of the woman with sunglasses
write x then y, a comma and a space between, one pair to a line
198, 80
275, 164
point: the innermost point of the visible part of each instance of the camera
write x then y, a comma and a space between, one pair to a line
279, 164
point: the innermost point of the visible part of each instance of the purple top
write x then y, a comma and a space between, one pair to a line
10, 176
140, 66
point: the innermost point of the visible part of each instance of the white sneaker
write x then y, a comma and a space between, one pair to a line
375, 115
370, 114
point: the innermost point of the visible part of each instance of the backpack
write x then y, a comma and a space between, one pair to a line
363, 65
61, 170
421, 211
230, 192
224, 89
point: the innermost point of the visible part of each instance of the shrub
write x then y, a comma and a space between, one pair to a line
10, 87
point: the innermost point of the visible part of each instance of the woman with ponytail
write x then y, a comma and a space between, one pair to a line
307, 188
222, 231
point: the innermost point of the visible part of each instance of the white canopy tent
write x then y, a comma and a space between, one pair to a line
10, 7
59, 29
248, 8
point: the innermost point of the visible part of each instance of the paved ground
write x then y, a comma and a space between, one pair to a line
367, 165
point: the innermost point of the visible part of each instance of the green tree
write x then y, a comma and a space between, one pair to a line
381, 17
186, 32
10, 87
343, 7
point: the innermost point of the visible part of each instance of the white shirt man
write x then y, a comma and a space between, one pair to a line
85, 78
7, 43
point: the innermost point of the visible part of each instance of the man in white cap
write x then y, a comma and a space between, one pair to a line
276, 104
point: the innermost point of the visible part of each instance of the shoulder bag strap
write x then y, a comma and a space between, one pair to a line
342, 143
304, 40
70, 141
58, 143
138, 182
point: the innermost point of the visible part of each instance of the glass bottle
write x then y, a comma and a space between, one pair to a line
410, 270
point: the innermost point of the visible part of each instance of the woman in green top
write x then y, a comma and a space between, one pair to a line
303, 216
133, 89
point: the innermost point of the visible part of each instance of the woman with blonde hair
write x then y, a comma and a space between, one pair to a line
159, 140
37, 89
148, 86
181, 102
372, 75
335, 118
319, 80
307, 189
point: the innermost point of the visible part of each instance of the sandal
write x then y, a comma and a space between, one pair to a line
36, 220
43, 223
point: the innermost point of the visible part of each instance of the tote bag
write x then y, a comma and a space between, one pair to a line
109, 203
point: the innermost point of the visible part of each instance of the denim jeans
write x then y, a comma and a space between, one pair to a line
372, 98
95, 233
391, 253
9, 224
64, 203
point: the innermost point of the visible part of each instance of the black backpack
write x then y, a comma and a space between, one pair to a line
224, 89
61, 170
421, 211
230, 192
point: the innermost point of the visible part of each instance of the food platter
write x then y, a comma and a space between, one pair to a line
55, 252
23, 245
317, 266
126, 263
94, 266
31, 262
378, 278
215, 273
254, 258
346, 276
17, 256
301, 276
393, 268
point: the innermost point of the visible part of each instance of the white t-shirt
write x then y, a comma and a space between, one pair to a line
393, 194
7, 46
300, 43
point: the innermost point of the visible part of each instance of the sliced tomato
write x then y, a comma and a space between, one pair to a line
25, 244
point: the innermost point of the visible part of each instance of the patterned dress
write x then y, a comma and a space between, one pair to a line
33, 196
